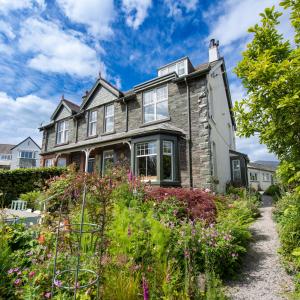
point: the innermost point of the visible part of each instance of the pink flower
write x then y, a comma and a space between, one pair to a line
145, 289
10, 271
16, 269
207, 190
18, 282
47, 295
31, 274
129, 231
57, 283
19, 273
49, 255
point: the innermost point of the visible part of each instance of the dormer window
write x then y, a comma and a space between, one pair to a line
180, 67
155, 104
62, 136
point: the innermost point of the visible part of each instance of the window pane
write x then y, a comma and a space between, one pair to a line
172, 68
149, 113
141, 166
167, 147
181, 68
91, 164
161, 93
162, 110
109, 110
109, 126
167, 167
62, 162
151, 167
148, 97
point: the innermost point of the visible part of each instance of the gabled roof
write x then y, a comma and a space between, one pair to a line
101, 82
6, 148
24, 141
262, 167
70, 106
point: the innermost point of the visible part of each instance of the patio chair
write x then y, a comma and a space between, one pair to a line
18, 205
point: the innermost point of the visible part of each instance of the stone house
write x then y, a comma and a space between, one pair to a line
176, 129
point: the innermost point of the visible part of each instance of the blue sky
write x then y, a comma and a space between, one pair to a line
55, 47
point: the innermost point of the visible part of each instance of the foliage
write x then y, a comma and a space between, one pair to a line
20, 181
197, 203
287, 214
274, 190
270, 73
33, 199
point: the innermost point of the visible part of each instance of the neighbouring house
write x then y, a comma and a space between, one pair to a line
261, 176
176, 129
24, 155
5, 156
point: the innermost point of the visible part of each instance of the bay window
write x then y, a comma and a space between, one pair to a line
92, 127
236, 170
108, 161
62, 132
109, 115
146, 154
155, 104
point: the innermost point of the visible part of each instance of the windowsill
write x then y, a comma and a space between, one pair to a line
91, 137
62, 144
156, 122
108, 133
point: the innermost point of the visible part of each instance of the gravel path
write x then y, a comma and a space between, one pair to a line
262, 276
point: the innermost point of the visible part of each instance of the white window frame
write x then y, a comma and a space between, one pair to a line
169, 69
172, 159
155, 102
26, 152
49, 162
147, 155
107, 116
253, 175
62, 135
4, 156
92, 127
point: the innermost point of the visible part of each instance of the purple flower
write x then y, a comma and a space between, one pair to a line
186, 253
130, 176
49, 255
19, 273
129, 231
29, 253
10, 271
16, 269
57, 283
145, 289
18, 282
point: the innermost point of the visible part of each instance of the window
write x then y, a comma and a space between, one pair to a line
266, 177
61, 162
91, 165
180, 68
253, 176
108, 160
49, 162
5, 157
167, 160
236, 170
92, 128
146, 160
27, 154
156, 104
109, 115
62, 132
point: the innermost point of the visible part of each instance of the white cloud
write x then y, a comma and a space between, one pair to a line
57, 51
136, 11
97, 15
7, 30
176, 7
254, 149
4, 48
237, 92
22, 116
230, 20
7, 6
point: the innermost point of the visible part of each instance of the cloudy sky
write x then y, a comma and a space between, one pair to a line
55, 47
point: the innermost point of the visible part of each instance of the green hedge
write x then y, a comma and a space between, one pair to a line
20, 181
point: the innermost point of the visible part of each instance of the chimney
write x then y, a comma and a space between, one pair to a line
213, 52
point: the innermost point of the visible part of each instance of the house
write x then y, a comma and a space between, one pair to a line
261, 176
5, 156
176, 129
24, 155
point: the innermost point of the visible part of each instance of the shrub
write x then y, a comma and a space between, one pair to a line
198, 204
274, 191
20, 181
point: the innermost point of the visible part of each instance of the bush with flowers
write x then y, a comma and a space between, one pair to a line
164, 243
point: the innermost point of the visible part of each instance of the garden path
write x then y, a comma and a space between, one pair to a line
262, 276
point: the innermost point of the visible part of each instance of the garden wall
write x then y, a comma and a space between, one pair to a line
19, 181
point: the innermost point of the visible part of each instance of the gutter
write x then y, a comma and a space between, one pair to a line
189, 139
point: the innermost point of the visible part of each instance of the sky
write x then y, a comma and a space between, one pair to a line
59, 47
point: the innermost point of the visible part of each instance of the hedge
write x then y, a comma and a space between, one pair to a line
19, 181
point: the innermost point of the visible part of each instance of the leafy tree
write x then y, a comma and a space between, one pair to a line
270, 72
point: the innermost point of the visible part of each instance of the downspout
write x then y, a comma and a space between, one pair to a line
189, 139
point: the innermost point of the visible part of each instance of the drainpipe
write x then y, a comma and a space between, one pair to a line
189, 139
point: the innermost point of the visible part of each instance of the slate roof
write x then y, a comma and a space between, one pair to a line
262, 167
6, 148
74, 107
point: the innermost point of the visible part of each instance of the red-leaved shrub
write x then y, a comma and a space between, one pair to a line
199, 204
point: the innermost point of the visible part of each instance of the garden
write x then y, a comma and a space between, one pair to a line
128, 241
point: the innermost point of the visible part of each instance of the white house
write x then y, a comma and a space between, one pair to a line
260, 176
25, 155
5, 156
